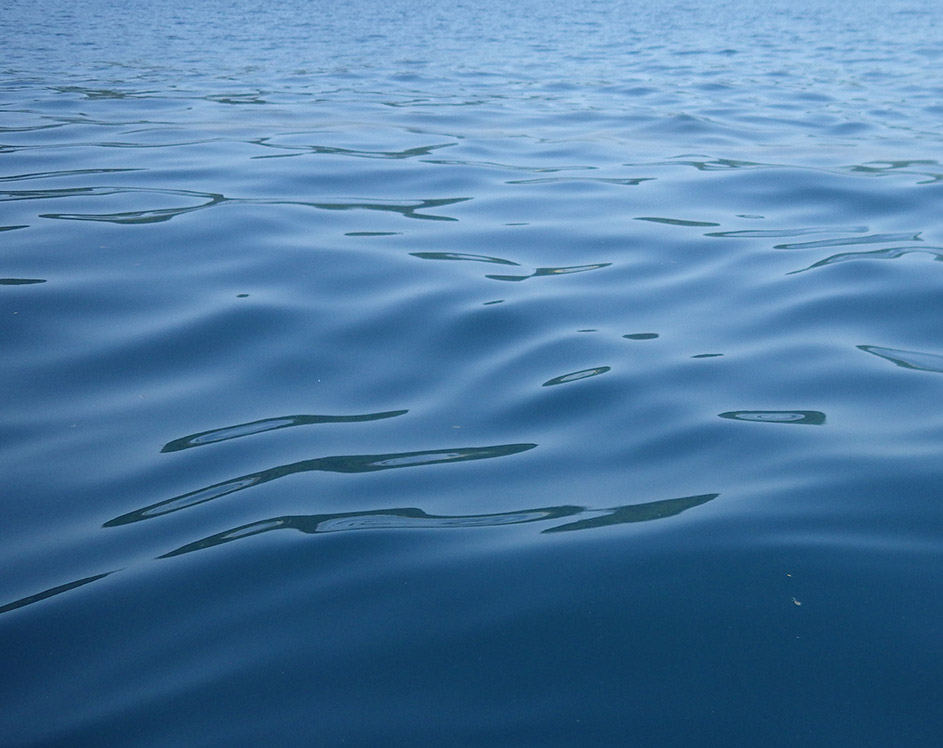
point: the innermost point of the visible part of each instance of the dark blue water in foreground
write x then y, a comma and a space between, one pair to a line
478, 375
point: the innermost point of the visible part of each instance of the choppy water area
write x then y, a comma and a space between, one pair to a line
390, 374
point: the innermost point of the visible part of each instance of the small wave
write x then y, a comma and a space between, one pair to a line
809, 417
52, 592
334, 464
871, 239
891, 253
778, 233
20, 281
462, 256
576, 376
907, 359
540, 272
631, 182
63, 173
214, 436
675, 221
409, 518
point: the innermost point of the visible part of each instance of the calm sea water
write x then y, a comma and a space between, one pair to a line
484, 374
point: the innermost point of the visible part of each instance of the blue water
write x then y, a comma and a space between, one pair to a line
506, 374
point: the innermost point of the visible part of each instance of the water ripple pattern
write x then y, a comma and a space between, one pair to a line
471, 374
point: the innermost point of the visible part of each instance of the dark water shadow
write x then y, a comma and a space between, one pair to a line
703, 162
131, 217
405, 208
410, 210
870, 239
809, 417
675, 221
321, 150
462, 256
7, 196
208, 199
509, 167
225, 433
52, 592
102, 93
881, 168
907, 359
576, 376
246, 98
628, 182
540, 272
65, 173
537, 273
646, 512
891, 253
783, 233
707, 163
20, 281
336, 464
410, 518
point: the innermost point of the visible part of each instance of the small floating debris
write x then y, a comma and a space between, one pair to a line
641, 336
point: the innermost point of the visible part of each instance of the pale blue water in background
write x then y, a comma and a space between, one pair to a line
499, 374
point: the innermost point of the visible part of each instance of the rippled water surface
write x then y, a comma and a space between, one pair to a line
498, 374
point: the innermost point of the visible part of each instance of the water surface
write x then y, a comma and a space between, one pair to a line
487, 374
